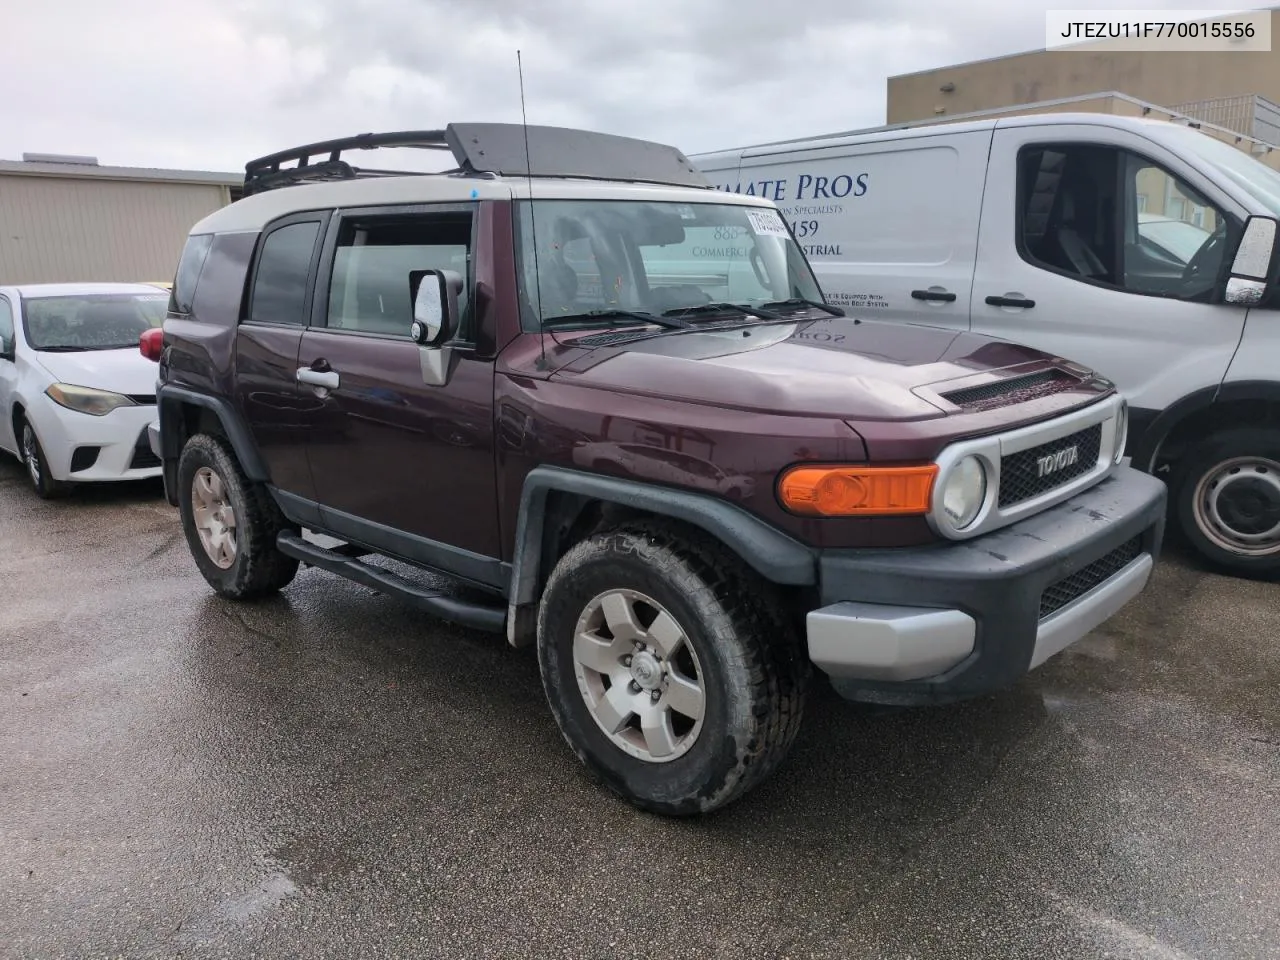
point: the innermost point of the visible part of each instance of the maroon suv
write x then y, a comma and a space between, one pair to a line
612, 405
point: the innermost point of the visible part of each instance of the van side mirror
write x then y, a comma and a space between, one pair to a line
1253, 270
434, 294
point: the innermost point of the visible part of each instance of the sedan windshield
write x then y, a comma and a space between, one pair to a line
613, 262
91, 321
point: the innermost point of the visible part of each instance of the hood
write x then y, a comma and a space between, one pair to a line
840, 367
122, 371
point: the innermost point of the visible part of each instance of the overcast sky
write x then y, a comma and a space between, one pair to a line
208, 84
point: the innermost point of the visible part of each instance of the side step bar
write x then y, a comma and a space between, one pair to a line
462, 612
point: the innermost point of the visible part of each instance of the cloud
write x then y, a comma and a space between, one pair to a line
206, 84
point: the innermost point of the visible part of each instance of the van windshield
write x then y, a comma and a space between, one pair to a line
579, 257
1255, 178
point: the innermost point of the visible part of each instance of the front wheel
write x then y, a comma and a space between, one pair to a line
230, 523
42, 481
670, 668
1227, 492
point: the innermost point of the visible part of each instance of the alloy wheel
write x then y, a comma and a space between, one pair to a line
215, 519
639, 675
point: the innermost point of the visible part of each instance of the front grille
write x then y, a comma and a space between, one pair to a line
1004, 393
142, 455
1058, 595
1022, 475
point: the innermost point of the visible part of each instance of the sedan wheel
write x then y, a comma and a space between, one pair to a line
31, 454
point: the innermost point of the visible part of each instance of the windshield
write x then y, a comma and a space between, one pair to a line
1255, 178
1175, 238
653, 258
91, 321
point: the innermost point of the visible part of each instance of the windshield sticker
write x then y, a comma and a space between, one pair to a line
686, 212
767, 223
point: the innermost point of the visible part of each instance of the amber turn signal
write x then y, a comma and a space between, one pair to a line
847, 491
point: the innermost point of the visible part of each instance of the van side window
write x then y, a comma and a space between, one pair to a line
369, 290
189, 267
1114, 218
280, 284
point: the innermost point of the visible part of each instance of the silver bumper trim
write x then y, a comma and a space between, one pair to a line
872, 641
1087, 612
153, 438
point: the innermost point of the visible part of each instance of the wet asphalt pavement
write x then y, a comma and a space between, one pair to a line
329, 774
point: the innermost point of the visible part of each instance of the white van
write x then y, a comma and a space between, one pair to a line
1113, 241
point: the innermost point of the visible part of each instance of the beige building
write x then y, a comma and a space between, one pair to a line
68, 219
1238, 91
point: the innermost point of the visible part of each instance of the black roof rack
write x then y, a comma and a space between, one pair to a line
487, 148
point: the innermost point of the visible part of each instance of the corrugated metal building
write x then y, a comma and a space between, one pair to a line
67, 219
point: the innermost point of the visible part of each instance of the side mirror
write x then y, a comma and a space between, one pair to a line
435, 306
1253, 269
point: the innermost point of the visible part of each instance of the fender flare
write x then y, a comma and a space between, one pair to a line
773, 554
169, 399
1168, 419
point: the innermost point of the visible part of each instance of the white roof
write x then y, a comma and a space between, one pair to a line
1155, 128
30, 290
253, 212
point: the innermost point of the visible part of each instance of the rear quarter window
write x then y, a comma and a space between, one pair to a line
189, 268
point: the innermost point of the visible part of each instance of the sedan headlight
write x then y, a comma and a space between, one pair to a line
964, 490
1122, 430
97, 403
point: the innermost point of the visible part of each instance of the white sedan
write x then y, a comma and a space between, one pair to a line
76, 395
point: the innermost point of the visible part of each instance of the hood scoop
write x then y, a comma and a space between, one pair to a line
1006, 393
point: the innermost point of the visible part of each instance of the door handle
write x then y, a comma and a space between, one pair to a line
318, 378
939, 295
1010, 302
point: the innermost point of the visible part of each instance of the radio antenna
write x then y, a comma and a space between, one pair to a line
533, 224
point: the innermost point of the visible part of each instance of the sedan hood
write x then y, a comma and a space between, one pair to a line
122, 371
839, 367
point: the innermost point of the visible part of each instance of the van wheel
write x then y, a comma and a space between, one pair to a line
230, 523
1228, 499
42, 481
670, 667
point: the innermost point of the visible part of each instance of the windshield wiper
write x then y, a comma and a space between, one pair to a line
591, 316
743, 308
62, 348
801, 302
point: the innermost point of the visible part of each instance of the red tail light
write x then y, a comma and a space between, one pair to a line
151, 343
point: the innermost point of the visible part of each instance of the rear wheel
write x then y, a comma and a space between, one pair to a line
230, 523
37, 466
1228, 499
669, 667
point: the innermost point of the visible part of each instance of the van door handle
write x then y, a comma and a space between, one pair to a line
940, 295
318, 378
1010, 302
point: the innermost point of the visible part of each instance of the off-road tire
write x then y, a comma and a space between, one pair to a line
1200, 464
756, 674
42, 482
259, 568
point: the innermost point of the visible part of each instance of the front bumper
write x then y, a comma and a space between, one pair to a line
955, 620
85, 449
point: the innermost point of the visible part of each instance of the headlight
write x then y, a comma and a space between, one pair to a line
96, 403
1122, 430
963, 492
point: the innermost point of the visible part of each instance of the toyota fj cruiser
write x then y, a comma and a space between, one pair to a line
610, 402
